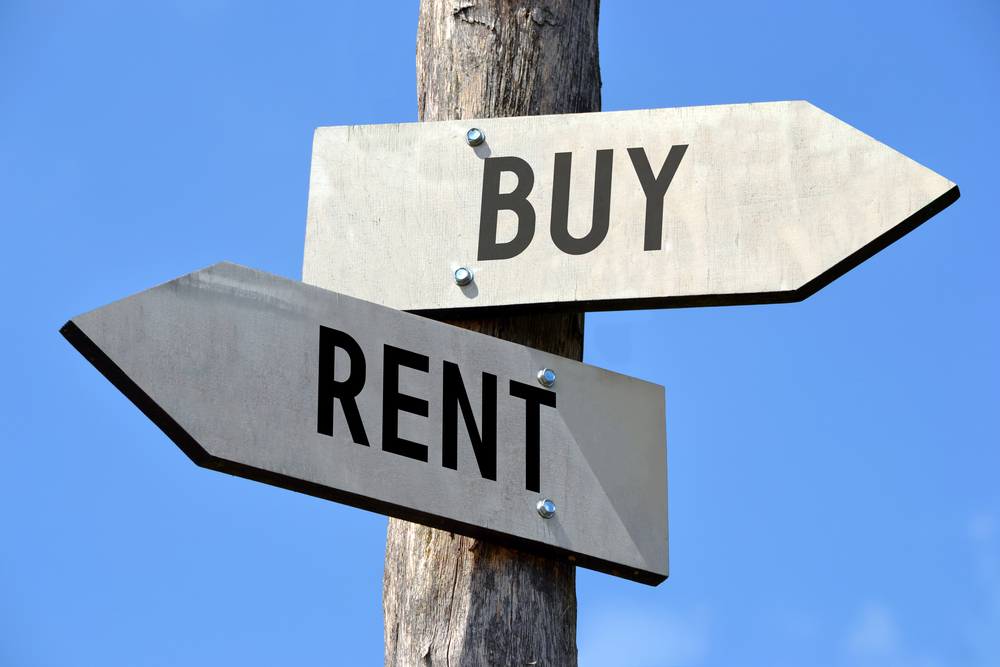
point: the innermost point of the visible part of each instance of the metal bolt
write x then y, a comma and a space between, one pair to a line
475, 137
546, 377
463, 277
546, 508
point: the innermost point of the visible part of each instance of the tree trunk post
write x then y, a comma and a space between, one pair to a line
448, 599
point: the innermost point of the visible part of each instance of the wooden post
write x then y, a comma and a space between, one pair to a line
448, 599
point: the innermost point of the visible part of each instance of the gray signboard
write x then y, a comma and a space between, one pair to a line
750, 203
292, 385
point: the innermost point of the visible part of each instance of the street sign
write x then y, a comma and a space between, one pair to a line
292, 385
750, 203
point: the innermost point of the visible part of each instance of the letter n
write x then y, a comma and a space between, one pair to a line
483, 444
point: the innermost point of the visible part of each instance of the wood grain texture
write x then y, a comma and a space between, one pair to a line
452, 600
447, 599
499, 58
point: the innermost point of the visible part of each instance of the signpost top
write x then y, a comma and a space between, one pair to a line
751, 203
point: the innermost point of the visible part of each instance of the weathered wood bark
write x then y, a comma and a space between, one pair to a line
498, 58
448, 599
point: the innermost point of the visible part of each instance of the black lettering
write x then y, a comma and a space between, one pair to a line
516, 201
484, 445
533, 397
559, 227
393, 402
347, 391
655, 188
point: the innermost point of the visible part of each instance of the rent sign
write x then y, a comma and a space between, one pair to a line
289, 384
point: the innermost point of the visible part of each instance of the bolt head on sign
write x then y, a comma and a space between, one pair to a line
738, 204
292, 385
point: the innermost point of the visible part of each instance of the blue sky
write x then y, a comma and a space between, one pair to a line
834, 465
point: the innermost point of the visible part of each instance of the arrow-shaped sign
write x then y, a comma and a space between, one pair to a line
292, 385
751, 203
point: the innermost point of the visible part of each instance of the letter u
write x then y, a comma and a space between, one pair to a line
560, 204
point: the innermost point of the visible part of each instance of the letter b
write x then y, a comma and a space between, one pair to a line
516, 201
